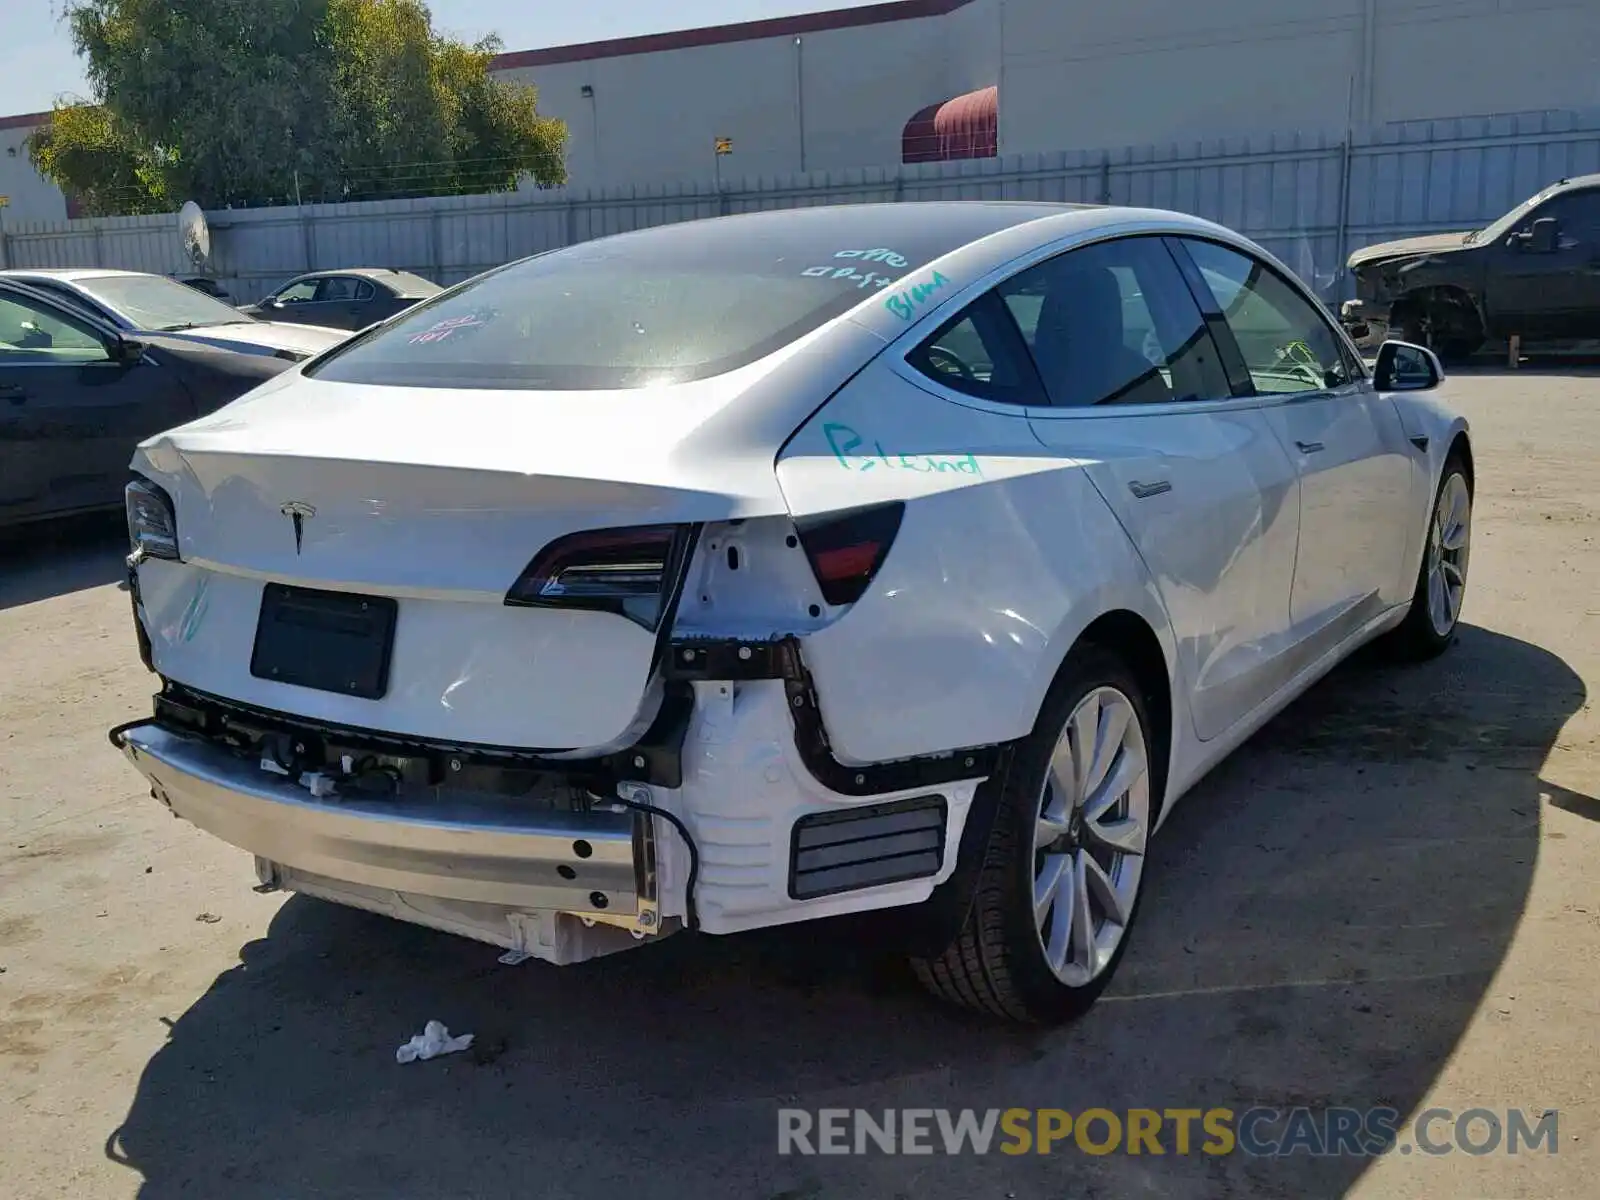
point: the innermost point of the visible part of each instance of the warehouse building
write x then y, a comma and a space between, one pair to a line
924, 80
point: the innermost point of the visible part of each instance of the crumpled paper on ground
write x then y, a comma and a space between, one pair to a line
433, 1041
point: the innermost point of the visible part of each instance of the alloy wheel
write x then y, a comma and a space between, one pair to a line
1449, 542
1090, 835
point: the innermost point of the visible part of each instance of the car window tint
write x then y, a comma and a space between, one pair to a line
305, 289
364, 290
1577, 216
977, 352
1113, 323
1288, 346
33, 333
338, 287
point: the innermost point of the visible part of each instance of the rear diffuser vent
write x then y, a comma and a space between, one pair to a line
866, 847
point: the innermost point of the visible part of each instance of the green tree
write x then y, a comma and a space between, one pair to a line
85, 150
259, 101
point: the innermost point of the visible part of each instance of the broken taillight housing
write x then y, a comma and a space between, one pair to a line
846, 548
632, 572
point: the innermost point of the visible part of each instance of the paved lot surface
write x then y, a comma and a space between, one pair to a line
1388, 897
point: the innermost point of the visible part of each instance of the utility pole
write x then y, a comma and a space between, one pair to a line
721, 148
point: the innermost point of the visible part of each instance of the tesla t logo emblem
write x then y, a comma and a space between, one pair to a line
298, 513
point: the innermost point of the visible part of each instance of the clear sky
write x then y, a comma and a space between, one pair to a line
37, 63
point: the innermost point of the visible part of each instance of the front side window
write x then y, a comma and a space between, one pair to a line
665, 305
1497, 230
1577, 217
1288, 346
298, 292
1113, 323
33, 333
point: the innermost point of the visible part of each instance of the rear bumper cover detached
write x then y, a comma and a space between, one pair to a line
765, 826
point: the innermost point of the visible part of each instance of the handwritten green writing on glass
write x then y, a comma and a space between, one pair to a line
847, 446
904, 303
862, 279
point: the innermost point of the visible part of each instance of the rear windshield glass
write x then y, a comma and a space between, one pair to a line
665, 305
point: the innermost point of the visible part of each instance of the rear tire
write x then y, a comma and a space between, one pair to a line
1430, 624
1062, 874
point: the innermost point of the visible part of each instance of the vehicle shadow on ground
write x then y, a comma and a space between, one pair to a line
1326, 912
53, 558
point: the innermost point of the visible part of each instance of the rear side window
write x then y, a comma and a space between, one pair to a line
338, 287
1114, 323
1287, 344
979, 353
660, 306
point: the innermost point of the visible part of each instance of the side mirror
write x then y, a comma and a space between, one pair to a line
1540, 237
127, 351
1406, 367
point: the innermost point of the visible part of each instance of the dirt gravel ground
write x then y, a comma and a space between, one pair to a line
1388, 897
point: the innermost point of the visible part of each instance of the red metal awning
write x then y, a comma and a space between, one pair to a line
965, 127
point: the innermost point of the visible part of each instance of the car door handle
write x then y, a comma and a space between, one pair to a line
1145, 490
1309, 447
14, 393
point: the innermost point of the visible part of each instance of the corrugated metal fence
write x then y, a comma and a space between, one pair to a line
1310, 200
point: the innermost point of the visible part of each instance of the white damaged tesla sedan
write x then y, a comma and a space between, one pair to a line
910, 559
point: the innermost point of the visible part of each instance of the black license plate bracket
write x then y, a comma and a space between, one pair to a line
330, 641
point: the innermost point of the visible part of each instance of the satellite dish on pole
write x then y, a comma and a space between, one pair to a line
194, 233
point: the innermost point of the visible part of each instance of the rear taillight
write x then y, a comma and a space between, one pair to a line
631, 572
847, 548
152, 525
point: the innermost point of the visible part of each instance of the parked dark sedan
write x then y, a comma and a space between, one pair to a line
77, 395
350, 299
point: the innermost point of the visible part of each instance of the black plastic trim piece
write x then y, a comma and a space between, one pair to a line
146, 655
696, 660
656, 758
710, 658
344, 665
867, 846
